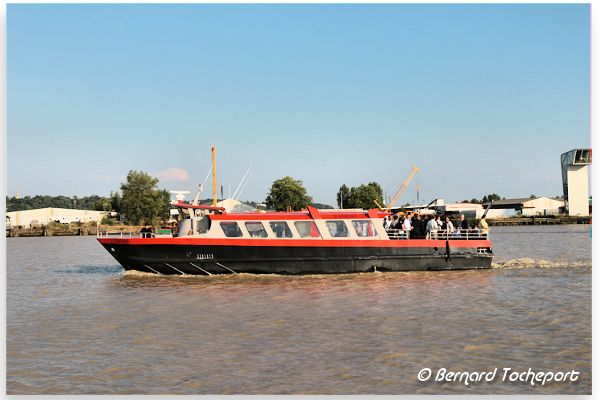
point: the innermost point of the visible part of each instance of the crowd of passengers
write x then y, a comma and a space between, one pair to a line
416, 226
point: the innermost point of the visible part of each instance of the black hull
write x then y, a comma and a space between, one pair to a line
208, 260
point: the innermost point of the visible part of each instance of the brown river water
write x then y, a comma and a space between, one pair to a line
76, 324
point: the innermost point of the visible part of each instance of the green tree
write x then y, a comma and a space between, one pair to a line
142, 201
287, 192
116, 201
363, 196
342, 196
165, 199
490, 197
103, 204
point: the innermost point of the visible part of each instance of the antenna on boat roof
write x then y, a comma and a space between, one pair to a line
245, 183
201, 186
179, 194
214, 174
207, 175
240, 184
487, 209
197, 196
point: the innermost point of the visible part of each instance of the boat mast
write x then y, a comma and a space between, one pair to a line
214, 174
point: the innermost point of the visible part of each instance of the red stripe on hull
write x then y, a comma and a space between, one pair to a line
297, 242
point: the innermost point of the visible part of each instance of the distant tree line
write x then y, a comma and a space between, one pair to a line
485, 199
140, 200
92, 202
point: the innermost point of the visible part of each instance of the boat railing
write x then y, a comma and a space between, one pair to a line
118, 235
457, 234
397, 234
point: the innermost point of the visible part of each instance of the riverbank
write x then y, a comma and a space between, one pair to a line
546, 220
72, 229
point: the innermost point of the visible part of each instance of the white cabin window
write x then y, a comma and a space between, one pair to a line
231, 229
364, 228
307, 229
337, 228
281, 229
256, 229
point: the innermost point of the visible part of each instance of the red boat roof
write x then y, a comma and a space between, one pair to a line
311, 213
185, 205
308, 214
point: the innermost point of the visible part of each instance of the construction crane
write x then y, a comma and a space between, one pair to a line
401, 189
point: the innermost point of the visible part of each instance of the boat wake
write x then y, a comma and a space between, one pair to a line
91, 269
521, 263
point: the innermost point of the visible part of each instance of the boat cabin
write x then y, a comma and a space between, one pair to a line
203, 221
214, 222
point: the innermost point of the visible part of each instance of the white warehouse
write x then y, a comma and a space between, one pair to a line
42, 216
526, 207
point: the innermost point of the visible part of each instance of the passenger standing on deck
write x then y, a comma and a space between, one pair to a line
386, 223
407, 225
431, 227
394, 224
449, 227
146, 231
437, 226
463, 222
418, 226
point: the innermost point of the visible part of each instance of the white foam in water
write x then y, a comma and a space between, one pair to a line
519, 263
133, 272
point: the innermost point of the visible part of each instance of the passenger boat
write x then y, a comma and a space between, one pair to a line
312, 241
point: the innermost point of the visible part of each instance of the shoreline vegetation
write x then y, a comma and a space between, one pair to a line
140, 201
92, 228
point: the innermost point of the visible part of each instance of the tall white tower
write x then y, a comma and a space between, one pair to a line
575, 165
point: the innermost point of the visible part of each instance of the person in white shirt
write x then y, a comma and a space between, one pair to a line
386, 223
449, 226
407, 225
437, 225
431, 227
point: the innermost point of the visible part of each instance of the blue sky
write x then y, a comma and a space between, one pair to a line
482, 98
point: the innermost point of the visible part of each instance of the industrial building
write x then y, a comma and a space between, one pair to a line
42, 216
526, 207
575, 178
